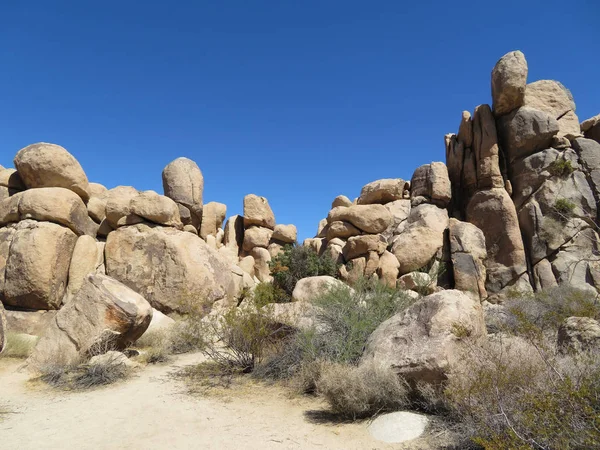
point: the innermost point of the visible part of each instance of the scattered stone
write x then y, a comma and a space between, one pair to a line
398, 427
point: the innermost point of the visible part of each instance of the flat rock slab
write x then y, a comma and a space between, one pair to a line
398, 427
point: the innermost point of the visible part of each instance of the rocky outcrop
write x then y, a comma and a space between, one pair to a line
104, 315
468, 253
174, 270
183, 183
422, 343
48, 165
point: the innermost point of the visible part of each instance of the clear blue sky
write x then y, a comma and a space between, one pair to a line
298, 101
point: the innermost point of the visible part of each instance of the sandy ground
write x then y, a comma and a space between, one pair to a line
153, 411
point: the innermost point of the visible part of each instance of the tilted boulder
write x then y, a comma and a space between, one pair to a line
213, 216
234, 233
86, 259
258, 212
262, 258
183, 182
156, 208
382, 191
468, 253
285, 233
424, 341
10, 183
174, 270
509, 78
387, 270
340, 229
555, 99
369, 218
48, 165
308, 289
104, 315
37, 267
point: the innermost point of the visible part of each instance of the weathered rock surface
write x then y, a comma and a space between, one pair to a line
307, 289
423, 342
258, 212
213, 216
361, 245
3, 328
579, 334
29, 322
555, 99
369, 218
257, 237
468, 252
382, 191
174, 270
341, 200
285, 233
86, 259
104, 315
48, 165
183, 182
37, 265
233, 237
262, 258
156, 208
430, 184
509, 78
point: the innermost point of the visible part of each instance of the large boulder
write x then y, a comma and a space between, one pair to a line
509, 78
104, 315
262, 258
422, 237
37, 266
86, 259
58, 205
362, 245
485, 150
341, 200
174, 270
430, 183
156, 208
493, 212
29, 322
233, 237
387, 271
369, 218
10, 183
285, 233
213, 216
48, 165
307, 289
383, 191
258, 212
183, 182
468, 253
525, 131
257, 237
118, 206
340, 229
589, 156
424, 341
555, 99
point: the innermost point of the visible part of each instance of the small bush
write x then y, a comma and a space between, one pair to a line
516, 393
564, 208
186, 335
18, 345
265, 293
297, 262
206, 376
546, 310
240, 337
561, 168
356, 392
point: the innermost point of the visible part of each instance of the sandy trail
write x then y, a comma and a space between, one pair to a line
152, 411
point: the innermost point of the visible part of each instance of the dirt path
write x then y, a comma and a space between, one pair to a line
152, 411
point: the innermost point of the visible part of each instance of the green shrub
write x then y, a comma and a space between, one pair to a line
366, 390
564, 208
297, 262
546, 310
561, 168
185, 336
265, 293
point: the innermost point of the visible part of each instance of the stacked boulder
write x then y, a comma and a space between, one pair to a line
256, 237
546, 233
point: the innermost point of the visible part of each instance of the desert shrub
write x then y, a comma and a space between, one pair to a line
18, 345
356, 392
240, 337
297, 262
83, 375
155, 346
344, 319
564, 208
514, 393
561, 167
546, 310
186, 335
265, 293
206, 376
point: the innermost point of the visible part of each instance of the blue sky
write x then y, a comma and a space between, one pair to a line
298, 101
